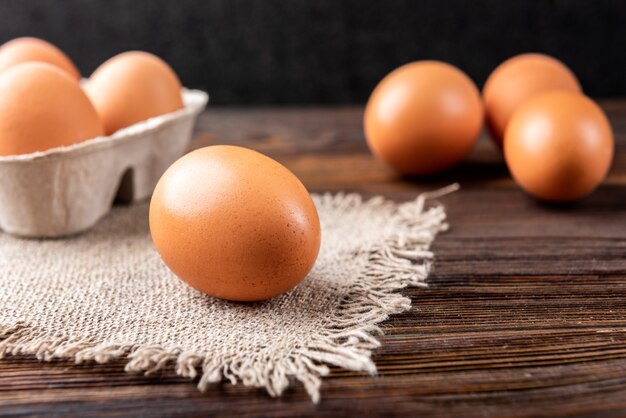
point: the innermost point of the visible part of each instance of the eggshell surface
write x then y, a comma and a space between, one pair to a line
21, 50
559, 146
234, 224
423, 118
132, 87
41, 107
517, 80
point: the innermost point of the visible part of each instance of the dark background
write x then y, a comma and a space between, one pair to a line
328, 51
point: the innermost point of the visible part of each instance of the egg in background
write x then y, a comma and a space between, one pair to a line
132, 87
519, 79
234, 224
423, 118
42, 107
21, 50
559, 146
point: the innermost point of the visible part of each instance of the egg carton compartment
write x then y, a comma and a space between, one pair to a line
66, 190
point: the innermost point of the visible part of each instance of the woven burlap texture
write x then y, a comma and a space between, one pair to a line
107, 295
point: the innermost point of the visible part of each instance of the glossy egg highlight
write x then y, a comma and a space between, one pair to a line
234, 224
132, 87
27, 49
423, 118
517, 80
42, 107
559, 146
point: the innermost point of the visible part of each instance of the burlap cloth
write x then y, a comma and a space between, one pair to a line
106, 294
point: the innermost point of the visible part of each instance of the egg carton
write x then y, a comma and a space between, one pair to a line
66, 190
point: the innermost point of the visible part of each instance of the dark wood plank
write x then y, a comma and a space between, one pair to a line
525, 314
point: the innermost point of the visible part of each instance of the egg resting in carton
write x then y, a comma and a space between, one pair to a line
66, 190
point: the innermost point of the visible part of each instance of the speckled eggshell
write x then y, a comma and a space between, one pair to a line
21, 50
42, 107
132, 87
559, 146
519, 79
423, 117
234, 224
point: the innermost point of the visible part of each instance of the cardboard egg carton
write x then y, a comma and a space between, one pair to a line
67, 190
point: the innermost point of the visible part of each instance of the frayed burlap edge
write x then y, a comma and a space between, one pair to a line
347, 340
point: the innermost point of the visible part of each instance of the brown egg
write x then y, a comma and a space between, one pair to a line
132, 87
42, 107
21, 50
518, 79
234, 224
559, 146
423, 118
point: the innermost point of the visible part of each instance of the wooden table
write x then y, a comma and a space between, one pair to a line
525, 313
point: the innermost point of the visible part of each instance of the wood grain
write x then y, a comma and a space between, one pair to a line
525, 314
